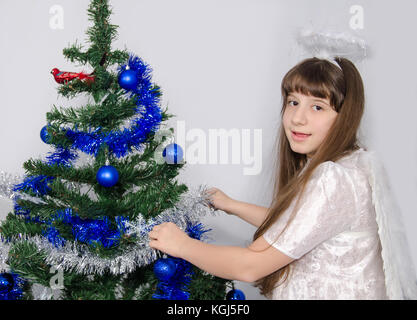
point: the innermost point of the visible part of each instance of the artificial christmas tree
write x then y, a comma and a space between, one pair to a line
86, 210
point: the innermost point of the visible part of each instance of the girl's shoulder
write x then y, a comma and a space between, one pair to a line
349, 167
357, 162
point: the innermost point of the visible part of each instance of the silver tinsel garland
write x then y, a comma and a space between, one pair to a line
77, 257
4, 251
7, 183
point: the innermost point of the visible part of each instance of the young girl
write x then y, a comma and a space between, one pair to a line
319, 238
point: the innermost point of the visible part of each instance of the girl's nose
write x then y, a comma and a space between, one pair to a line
299, 116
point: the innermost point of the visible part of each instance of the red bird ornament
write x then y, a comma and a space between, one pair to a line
64, 76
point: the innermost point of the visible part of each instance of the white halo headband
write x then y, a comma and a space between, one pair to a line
327, 45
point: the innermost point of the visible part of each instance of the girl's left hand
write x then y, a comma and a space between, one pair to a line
168, 238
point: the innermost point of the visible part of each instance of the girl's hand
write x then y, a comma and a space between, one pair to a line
218, 200
168, 238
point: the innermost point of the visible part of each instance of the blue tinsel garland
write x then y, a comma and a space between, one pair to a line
37, 184
122, 142
89, 231
62, 156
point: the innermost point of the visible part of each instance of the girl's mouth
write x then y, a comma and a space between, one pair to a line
299, 136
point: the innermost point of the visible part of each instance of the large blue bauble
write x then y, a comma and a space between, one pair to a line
128, 80
164, 269
107, 176
45, 135
173, 153
6, 282
235, 294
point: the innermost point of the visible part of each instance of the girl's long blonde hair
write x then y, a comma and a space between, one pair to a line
344, 88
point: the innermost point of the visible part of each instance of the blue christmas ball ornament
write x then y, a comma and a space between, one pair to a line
107, 176
6, 282
235, 294
45, 135
173, 153
128, 79
164, 268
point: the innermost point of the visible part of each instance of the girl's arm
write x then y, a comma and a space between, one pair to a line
251, 213
229, 262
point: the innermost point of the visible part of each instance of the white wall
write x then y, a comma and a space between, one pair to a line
219, 64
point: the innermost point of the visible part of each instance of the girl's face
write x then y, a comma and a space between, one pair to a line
309, 115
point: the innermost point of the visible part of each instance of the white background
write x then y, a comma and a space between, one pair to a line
220, 65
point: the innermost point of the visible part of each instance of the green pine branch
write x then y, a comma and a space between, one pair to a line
108, 116
101, 33
26, 260
15, 225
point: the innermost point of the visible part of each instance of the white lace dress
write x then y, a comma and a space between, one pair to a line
334, 237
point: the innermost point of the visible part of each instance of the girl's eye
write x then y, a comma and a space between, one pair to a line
294, 103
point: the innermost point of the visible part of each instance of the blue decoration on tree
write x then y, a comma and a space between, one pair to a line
6, 282
173, 154
121, 142
90, 231
53, 236
36, 184
11, 286
107, 176
128, 79
95, 231
235, 294
18, 210
45, 135
165, 268
175, 274
62, 156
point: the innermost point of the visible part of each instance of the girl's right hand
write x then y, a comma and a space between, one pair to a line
218, 200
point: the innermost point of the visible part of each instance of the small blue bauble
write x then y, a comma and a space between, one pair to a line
45, 135
235, 294
128, 80
6, 282
173, 153
164, 269
107, 176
